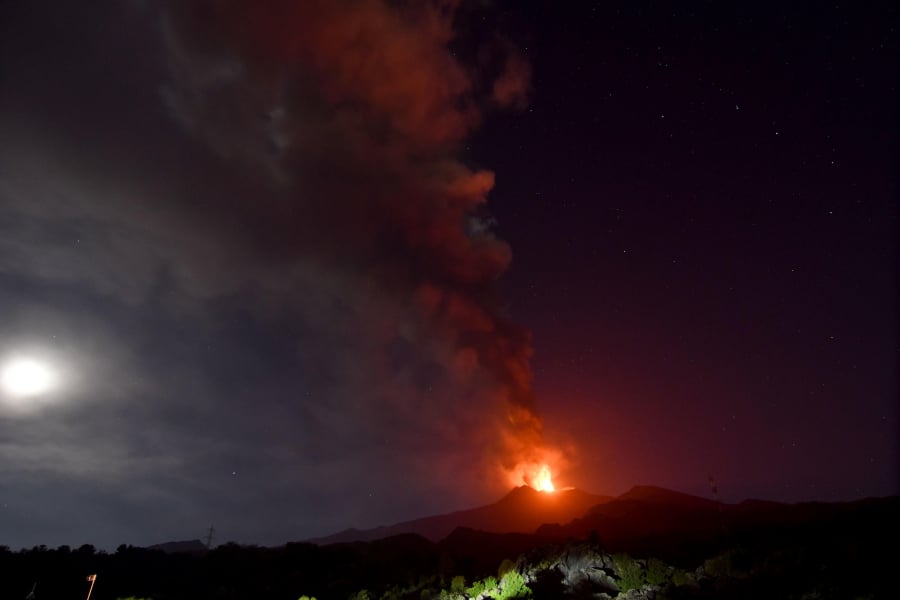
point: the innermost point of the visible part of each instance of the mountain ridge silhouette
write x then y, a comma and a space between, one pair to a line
522, 510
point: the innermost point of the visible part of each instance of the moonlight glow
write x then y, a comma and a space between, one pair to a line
25, 377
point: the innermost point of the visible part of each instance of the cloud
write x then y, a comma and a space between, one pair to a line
512, 87
386, 90
261, 215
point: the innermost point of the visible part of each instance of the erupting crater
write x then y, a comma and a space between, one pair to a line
543, 481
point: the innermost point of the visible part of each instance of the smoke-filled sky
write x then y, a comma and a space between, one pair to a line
290, 267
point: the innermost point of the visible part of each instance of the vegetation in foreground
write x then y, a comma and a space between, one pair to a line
821, 552
576, 569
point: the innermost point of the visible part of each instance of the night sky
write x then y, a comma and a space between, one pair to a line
290, 267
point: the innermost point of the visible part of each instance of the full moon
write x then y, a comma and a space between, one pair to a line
25, 377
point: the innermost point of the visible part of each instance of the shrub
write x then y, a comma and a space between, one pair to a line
680, 577
505, 567
722, 565
657, 572
476, 589
512, 585
631, 575
458, 584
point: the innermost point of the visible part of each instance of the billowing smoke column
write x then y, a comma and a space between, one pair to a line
356, 109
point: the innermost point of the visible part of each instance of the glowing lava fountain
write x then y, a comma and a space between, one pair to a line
543, 482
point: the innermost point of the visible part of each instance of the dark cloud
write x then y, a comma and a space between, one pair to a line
512, 86
273, 277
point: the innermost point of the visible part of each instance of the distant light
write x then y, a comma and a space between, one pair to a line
26, 377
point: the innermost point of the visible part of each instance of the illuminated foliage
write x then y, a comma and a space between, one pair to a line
631, 575
476, 589
658, 573
512, 585
490, 586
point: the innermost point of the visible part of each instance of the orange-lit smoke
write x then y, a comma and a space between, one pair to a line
367, 107
538, 469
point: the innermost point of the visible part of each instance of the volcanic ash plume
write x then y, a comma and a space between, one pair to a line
354, 111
